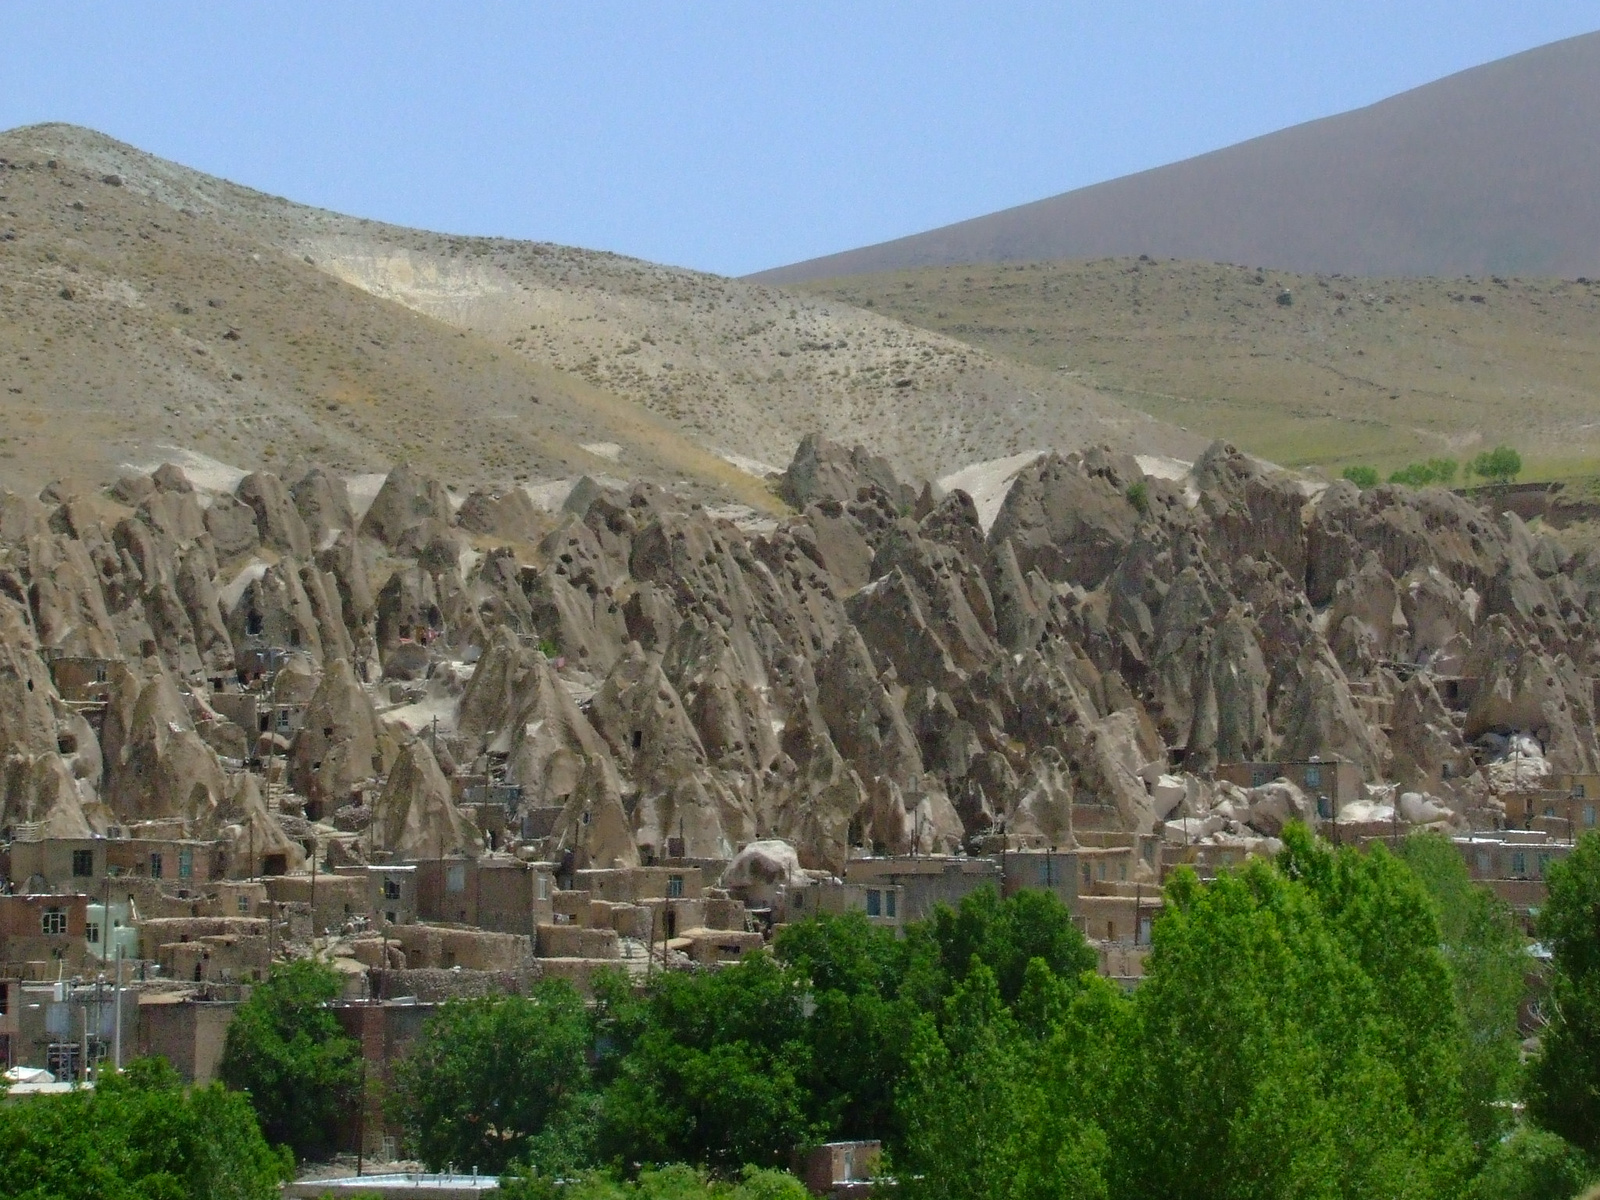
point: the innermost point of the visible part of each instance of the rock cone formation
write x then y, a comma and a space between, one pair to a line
879, 671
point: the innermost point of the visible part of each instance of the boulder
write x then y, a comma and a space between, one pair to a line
763, 863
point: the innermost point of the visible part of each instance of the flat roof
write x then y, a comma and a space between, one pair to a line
358, 1183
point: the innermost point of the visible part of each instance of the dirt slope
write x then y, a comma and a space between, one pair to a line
129, 327
359, 342
1495, 169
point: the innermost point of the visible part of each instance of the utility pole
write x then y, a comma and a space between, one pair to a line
650, 948
314, 848
99, 1018
116, 1027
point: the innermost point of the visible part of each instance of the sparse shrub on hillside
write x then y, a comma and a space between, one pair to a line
1362, 477
1139, 496
1500, 465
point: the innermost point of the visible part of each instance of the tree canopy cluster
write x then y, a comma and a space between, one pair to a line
138, 1135
1333, 1023
1500, 465
1439, 472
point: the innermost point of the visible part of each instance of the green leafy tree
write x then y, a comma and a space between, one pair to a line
863, 1014
1258, 1062
1005, 935
1362, 477
984, 1117
1488, 962
844, 953
1564, 1080
139, 1135
1532, 1164
1384, 919
496, 1080
708, 1069
1502, 464
285, 1050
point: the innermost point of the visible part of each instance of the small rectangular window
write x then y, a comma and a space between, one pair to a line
82, 863
244, 903
874, 902
1519, 863
53, 921
1588, 814
155, 864
674, 886
185, 863
543, 888
92, 932
455, 877
890, 902
1313, 776
1577, 791
391, 889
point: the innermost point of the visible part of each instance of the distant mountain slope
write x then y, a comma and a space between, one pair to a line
1303, 370
526, 358
1492, 170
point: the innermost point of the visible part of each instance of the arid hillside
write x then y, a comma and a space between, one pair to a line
133, 324
144, 305
1308, 371
1491, 170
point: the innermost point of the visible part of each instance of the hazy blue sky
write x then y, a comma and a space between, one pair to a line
725, 136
